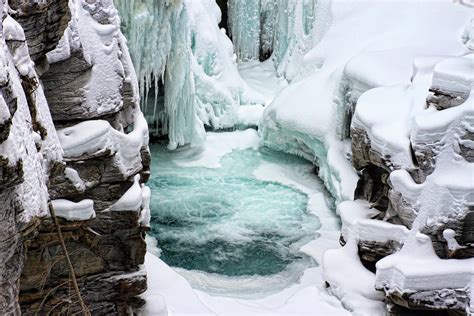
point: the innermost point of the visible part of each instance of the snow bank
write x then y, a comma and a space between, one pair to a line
444, 196
166, 290
351, 282
408, 271
307, 117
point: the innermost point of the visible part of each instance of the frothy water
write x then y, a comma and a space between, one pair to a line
223, 228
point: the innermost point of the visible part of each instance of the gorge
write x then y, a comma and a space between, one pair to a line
239, 157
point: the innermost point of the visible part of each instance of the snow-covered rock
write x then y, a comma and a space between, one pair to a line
80, 211
68, 61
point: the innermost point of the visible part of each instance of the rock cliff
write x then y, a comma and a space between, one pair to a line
71, 132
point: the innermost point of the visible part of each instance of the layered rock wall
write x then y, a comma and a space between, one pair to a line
71, 132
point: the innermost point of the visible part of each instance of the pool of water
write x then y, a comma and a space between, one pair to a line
226, 221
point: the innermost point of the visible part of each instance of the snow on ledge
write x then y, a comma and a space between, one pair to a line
422, 269
71, 211
379, 231
455, 75
145, 215
97, 136
130, 200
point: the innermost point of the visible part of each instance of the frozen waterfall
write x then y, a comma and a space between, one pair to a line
201, 83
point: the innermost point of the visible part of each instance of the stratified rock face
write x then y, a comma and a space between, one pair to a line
44, 23
92, 165
426, 194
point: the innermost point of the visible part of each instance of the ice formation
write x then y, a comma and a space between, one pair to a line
346, 69
286, 30
310, 117
202, 86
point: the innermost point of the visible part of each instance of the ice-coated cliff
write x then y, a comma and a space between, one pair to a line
71, 133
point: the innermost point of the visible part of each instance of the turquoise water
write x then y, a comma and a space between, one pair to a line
226, 221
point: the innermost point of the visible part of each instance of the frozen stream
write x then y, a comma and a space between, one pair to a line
242, 224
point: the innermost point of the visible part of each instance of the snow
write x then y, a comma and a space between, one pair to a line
364, 48
353, 211
95, 137
4, 111
75, 179
386, 115
145, 214
12, 31
449, 236
468, 35
132, 199
441, 198
423, 269
379, 231
263, 78
330, 59
306, 117
215, 147
455, 75
20, 148
166, 290
351, 282
71, 211
100, 43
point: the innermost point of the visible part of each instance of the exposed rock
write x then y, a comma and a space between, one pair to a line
436, 300
44, 23
64, 84
107, 251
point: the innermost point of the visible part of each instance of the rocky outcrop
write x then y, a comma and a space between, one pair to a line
92, 162
429, 195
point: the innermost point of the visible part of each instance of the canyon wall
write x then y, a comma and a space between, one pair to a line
72, 133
